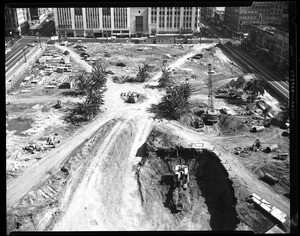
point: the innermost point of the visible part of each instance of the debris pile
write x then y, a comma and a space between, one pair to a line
51, 142
231, 124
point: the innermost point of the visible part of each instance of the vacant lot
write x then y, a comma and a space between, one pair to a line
113, 172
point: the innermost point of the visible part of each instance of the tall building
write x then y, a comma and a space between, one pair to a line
11, 21
121, 21
16, 21
92, 22
263, 13
272, 39
174, 20
207, 13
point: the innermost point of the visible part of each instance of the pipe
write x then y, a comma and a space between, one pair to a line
258, 128
271, 178
271, 148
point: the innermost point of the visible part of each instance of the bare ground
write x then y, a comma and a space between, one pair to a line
89, 182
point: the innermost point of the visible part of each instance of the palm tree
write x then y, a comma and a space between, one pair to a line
164, 80
254, 87
175, 103
143, 73
93, 85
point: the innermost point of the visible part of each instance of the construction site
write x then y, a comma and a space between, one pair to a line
222, 166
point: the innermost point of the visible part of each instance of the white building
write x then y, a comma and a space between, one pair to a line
125, 21
89, 22
174, 20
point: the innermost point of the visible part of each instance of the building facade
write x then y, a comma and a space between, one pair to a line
11, 21
263, 13
207, 13
174, 20
124, 22
92, 22
16, 21
273, 40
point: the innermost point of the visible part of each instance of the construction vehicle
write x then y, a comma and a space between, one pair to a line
130, 97
52, 140
181, 179
256, 145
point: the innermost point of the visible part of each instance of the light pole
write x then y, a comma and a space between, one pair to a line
24, 51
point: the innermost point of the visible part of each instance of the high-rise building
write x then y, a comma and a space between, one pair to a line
263, 13
11, 21
121, 21
16, 21
92, 22
174, 20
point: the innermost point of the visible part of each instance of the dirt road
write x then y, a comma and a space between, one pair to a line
19, 186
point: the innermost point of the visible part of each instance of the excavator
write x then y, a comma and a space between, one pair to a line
181, 179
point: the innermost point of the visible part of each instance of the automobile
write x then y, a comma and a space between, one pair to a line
31, 44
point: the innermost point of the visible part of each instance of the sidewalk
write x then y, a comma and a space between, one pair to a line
19, 69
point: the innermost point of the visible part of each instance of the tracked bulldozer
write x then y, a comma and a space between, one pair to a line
130, 97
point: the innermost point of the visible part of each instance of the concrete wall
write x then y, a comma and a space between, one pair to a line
138, 11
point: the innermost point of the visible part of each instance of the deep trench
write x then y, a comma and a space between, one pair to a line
207, 175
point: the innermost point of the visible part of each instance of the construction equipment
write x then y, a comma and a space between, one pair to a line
181, 179
52, 140
181, 176
210, 117
256, 145
130, 97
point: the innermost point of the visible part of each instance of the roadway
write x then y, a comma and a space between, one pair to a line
276, 82
16, 54
281, 87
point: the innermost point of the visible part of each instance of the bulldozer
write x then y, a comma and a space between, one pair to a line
130, 97
181, 179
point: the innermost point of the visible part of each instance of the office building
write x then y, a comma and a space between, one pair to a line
271, 39
16, 21
124, 22
263, 13
174, 20
92, 22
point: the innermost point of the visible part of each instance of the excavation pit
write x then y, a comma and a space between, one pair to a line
209, 199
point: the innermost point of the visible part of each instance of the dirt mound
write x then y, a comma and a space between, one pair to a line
208, 203
230, 125
42, 207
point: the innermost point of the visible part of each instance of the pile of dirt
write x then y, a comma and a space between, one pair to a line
230, 125
208, 203
42, 207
